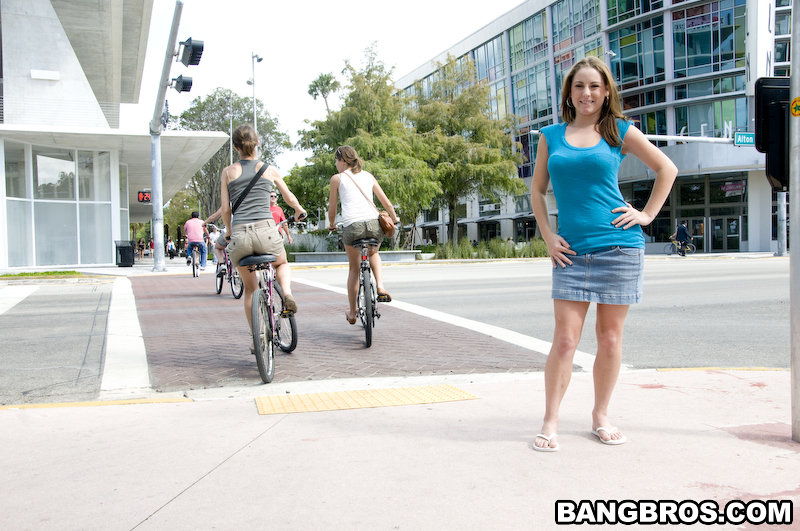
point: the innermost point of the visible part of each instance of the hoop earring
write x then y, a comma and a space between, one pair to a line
569, 102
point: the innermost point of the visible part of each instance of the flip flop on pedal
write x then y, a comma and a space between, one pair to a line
351, 321
383, 296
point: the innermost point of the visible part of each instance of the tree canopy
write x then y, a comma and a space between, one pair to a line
323, 86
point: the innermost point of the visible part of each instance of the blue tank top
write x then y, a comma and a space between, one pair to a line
585, 183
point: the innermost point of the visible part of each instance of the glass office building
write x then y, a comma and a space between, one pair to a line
683, 68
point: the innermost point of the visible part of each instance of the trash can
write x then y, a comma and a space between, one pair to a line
125, 252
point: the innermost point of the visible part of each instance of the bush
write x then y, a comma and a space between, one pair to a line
495, 248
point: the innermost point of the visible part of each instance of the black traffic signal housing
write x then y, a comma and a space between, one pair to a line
772, 128
192, 52
182, 84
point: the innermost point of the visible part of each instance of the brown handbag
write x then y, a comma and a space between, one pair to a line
385, 220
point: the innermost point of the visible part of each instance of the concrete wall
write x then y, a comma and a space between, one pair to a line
43, 82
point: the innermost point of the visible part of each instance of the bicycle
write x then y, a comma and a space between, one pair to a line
272, 324
672, 247
231, 274
195, 262
367, 301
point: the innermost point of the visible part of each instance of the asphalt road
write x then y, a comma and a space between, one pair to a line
696, 312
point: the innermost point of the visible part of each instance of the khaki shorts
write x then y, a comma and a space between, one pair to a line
362, 229
261, 237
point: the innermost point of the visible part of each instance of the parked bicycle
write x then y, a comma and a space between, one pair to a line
273, 325
367, 302
672, 247
226, 271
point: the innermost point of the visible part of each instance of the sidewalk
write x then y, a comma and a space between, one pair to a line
465, 465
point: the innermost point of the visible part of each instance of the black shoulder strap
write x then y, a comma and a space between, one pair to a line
249, 187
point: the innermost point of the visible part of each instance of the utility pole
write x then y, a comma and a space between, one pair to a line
155, 145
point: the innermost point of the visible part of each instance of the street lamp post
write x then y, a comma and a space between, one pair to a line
230, 126
252, 81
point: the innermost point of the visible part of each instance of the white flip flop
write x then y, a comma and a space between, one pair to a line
547, 448
612, 442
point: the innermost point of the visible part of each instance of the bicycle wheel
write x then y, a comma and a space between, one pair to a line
237, 288
285, 324
691, 248
220, 280
195, 266
669, 249
263, 347
365, 305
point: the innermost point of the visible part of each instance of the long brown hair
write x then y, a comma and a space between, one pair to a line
245, 140
612, 109
350, 157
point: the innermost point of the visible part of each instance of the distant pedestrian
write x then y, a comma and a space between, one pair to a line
598, 251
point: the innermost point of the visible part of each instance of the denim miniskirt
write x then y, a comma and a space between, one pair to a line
612, 276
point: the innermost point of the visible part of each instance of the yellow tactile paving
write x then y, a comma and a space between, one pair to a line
428, 394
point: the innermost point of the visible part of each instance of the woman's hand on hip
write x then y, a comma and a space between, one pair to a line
630, 217
559, 251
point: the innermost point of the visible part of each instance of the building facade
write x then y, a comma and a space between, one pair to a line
70, 175
683, 68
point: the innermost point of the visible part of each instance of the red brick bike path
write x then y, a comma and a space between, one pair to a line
197, 339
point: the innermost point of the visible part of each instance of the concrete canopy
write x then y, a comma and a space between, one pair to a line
183, 153
109, 38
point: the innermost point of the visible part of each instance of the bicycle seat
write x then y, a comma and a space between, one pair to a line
365, 241
256, 260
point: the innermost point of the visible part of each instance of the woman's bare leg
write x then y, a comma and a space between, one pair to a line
569, 316
354, 260
610, 324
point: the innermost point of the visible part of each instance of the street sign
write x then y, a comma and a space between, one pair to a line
744, 139
144, 196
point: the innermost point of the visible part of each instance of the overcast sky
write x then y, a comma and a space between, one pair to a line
298, 39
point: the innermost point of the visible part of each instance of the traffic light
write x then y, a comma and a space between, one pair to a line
772, 128
192, 52
182, 84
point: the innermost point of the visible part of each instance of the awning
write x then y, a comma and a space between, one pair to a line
464, 221
429, 224
183, 153
519, 215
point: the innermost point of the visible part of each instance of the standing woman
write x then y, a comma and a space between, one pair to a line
598, 251
252, 229
360, 219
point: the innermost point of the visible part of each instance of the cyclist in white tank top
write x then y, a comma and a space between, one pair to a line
355, 188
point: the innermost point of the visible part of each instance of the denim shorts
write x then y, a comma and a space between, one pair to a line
362, 229
613, 276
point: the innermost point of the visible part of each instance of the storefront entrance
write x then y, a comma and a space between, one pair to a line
725, 234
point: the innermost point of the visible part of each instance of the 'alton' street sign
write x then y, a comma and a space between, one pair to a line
744, 139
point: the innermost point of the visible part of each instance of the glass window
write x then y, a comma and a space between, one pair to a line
94, 175
528, 41
56, 233
639, 50
96, 237
123, 186
783, 24
783, 3
489, 59
15, 170
692, 193
54, 174
782, 52
20, 233
728, 191
708, 38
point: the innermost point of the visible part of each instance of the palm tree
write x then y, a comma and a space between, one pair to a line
323, 86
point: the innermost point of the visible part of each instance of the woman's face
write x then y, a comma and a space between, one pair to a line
588, 92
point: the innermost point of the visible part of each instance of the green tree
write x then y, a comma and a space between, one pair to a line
469, 151
372, 121
324, 86
213, 113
